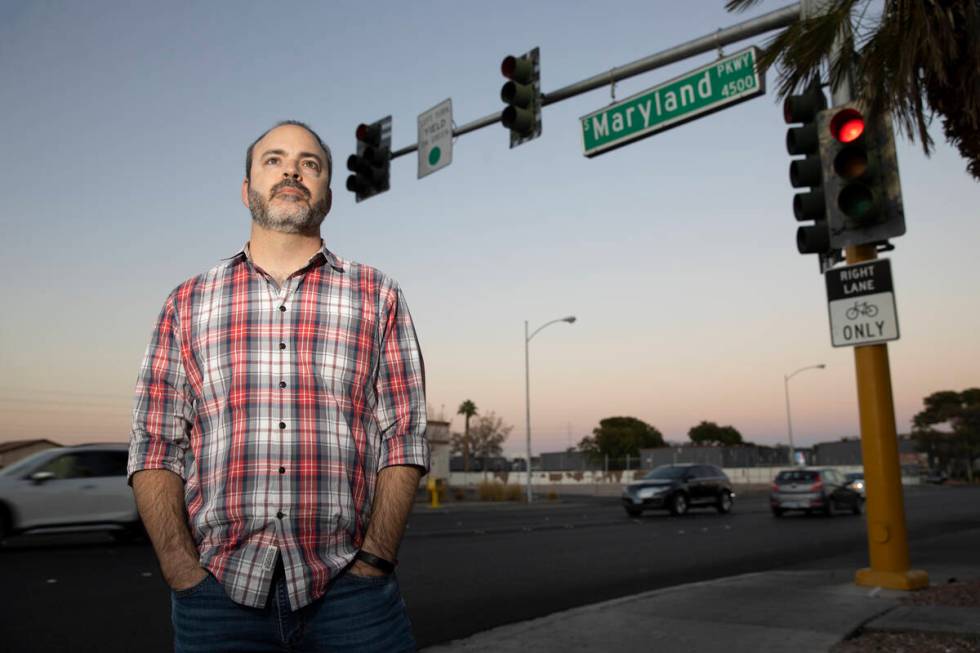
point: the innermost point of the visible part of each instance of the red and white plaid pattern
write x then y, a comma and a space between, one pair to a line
285, 401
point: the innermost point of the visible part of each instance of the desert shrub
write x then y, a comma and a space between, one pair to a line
489, 491
514, 492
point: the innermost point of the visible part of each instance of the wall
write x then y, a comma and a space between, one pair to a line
738, 476
437, 432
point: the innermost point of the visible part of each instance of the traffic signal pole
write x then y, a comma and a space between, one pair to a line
888, 546
768, 22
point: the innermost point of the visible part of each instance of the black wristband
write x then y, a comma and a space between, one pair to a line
386, 566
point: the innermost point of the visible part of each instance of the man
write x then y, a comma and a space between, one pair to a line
278, 433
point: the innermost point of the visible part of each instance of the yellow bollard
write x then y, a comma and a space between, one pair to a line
433, 486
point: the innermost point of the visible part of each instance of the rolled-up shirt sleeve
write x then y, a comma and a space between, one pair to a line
164, 410
400, 409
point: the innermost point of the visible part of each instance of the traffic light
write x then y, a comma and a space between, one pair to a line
808, 171
861, 182
522, 94
372, 163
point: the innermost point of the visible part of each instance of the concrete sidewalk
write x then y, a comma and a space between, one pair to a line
795, 610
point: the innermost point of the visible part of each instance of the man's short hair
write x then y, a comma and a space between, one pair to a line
295, 123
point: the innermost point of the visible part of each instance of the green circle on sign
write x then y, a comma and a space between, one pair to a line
434, 155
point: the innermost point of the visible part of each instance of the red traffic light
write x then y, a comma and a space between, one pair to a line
369, 134
519, 69
847, 126
508, 65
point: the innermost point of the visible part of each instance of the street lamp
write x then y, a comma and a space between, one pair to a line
789, 419
527, 390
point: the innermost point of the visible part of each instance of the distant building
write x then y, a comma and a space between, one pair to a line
437, 433
11, 452
563, 461
848, 452
483, 464
740, 456
840, 453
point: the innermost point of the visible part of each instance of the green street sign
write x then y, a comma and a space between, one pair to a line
710, 88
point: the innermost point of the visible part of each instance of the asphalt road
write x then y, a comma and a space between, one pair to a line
462, 568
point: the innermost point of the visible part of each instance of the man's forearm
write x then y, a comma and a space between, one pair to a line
393, 497
160, 501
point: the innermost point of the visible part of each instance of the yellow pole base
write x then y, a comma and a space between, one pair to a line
910, 579
433, 487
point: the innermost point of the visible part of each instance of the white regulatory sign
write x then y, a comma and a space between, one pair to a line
436, 138
861, 301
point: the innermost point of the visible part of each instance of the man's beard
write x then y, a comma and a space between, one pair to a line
294, 217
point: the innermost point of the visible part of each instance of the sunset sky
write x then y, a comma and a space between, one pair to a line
123, 143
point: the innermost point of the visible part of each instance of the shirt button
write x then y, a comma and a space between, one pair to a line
282, 470
282, 384
282, 345
282, 309
282, 425
280, 515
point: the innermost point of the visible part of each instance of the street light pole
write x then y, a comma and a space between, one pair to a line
527, 406
527, 390
789, 419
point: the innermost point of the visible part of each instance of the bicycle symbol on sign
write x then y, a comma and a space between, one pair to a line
861, 308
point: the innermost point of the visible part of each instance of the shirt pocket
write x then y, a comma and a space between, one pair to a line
235, 373
343, 356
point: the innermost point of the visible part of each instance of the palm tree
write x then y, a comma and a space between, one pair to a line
916, 59
468, 409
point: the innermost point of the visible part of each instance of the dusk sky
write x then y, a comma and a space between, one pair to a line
122, 152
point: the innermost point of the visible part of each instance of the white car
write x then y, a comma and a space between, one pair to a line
69, 489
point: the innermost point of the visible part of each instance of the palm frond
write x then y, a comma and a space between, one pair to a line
924, 59
921, 57
739, 5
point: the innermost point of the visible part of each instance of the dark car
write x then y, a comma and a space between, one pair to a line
812, 490
679, 487
936, 476
855, 481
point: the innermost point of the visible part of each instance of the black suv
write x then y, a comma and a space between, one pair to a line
679, 487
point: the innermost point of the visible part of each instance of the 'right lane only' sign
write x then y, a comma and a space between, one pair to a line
861, 300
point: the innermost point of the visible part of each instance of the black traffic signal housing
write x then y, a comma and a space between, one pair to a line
371, 166
862, 188
803, 110
522, 94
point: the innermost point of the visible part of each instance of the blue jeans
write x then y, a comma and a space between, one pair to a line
357, 613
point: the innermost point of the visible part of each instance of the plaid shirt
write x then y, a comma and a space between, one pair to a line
278, 406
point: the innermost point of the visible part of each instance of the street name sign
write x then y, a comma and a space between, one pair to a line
435, 138
861, 301
713, 87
